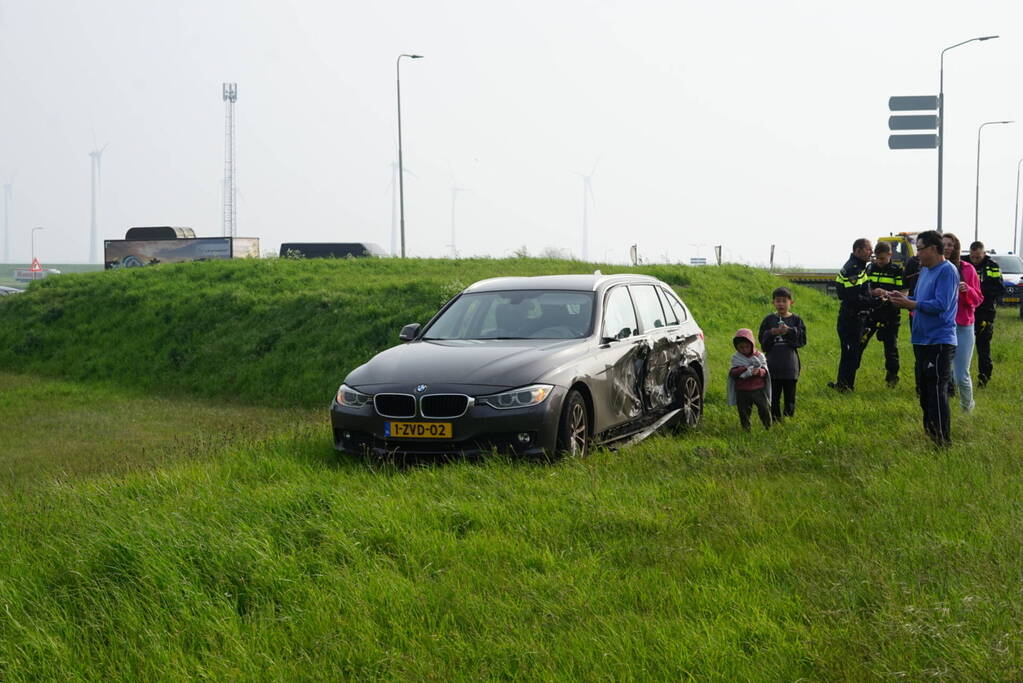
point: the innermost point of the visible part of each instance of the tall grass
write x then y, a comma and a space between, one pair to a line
836, 546
722, 556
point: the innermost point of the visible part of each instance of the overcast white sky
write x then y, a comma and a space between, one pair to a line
734, 123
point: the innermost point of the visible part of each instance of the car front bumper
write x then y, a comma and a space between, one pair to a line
481, 430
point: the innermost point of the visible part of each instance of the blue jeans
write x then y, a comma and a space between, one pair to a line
961, 365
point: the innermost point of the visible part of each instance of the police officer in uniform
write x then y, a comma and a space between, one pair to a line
885, 276
991, 286
854, 292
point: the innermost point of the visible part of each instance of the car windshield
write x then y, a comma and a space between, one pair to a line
1008, 263
520, 314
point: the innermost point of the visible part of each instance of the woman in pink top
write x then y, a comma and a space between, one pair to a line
970, 297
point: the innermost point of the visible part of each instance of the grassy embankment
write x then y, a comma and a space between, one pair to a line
836, 546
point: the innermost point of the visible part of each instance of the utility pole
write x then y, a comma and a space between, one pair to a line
976, 198
941, 115
230, 218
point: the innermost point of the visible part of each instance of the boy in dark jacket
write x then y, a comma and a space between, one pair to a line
781, 334
749, 382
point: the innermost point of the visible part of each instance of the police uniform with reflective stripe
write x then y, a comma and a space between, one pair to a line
885, 318
991, 286
853, 289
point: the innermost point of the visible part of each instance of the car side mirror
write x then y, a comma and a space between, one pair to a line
409, 332
623, 333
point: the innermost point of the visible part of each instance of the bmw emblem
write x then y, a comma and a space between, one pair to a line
421, 388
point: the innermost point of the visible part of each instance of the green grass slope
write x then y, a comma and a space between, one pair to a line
151, 539
283, 332
830, 548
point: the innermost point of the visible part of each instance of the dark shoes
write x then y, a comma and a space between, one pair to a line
982, 381
840, 388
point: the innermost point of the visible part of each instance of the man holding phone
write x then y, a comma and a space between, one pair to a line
934, 332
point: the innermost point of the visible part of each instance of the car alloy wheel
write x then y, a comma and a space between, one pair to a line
690, 399
573, 431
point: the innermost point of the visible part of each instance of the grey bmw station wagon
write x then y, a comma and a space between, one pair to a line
531, 365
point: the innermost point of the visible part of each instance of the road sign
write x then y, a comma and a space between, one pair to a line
913, 103
924, 122
697, 261
912, 141
36, 266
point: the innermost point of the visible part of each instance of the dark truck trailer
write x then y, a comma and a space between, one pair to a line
331, 250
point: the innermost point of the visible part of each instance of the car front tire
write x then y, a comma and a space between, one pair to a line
574, 428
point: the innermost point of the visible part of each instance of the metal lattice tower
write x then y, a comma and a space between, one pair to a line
230, 225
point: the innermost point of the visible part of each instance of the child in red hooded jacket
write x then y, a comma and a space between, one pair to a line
749, 382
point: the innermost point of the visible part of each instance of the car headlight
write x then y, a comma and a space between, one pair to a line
518, 398
350, 398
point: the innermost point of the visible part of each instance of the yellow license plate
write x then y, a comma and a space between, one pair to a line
1011, 300
417, 430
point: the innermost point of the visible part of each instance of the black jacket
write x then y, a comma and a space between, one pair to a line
888, 278
854, 288
991, 286
781, 350
911, 273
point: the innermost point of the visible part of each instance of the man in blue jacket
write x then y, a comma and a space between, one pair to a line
934, 332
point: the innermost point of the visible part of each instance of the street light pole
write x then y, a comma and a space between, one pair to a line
401, 171
941, 117
34, 243
976, 199
1015, 215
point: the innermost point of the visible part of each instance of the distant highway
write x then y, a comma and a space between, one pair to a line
822, 279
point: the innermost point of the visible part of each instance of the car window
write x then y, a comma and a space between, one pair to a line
676, 305
651, 316
525, 314
619, 315
670, 317
1008, 263
898, 250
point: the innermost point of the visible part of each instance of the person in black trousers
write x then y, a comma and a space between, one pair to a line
885, 276
991, 286
781, 334
854, 292
934, 333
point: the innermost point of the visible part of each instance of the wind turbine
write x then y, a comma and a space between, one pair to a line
587, 200
455, 189
96, 157
393, 187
